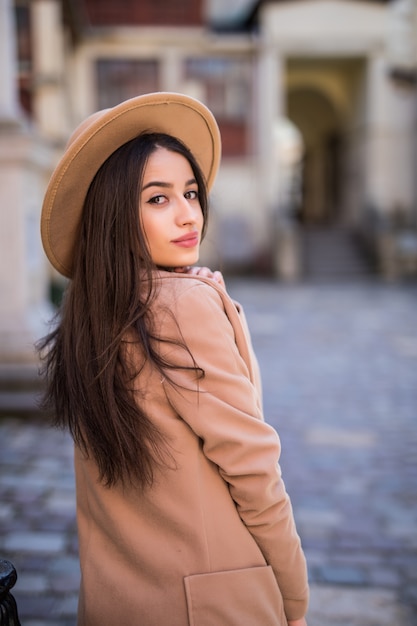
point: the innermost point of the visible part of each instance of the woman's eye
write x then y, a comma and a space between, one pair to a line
191, 195
157, 200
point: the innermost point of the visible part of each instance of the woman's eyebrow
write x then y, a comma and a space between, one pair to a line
157, 183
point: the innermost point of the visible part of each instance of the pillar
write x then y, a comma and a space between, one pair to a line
278, 231
391, 111
9, 108
50, 102
171, 69
402, 57
379, 139
270, 107
24, 161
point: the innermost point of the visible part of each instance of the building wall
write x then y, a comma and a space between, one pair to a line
324, 64
144, 12
338, 81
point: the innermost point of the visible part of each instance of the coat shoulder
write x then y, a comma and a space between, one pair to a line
179, 291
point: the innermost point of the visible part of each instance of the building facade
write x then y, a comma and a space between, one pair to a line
316, 102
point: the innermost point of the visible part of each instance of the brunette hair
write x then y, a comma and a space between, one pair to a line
87, 373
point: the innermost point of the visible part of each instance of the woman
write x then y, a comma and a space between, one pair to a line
183, 518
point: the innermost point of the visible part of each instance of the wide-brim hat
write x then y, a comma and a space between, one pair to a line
98, 137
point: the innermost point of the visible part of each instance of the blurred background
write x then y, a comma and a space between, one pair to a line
317, 106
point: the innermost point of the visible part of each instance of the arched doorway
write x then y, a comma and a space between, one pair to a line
319, 124
324, 100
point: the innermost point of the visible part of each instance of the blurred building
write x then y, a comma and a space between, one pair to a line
316, 102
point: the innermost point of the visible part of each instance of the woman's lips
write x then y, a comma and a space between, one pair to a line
190, 240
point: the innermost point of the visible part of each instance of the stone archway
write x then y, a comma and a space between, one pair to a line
320, 129
323, 100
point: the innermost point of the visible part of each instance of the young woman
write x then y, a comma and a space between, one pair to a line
183, 517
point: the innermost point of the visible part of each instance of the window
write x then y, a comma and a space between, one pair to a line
120, 79
24, 54
225, 87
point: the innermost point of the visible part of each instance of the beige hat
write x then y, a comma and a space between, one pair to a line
98, 137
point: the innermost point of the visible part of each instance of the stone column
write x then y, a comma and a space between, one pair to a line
389, 140
50, 102
402, 58
171, 69
378, 178
402, 46
23, 164
279, 231
9, 108
270, 106
389, 151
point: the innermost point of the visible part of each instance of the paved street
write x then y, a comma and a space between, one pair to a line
339, 367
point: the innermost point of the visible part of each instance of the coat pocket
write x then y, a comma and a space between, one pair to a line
243, 597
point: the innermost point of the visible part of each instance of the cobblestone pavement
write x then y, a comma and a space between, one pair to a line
339, 367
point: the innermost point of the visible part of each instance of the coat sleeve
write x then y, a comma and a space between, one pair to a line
223, 409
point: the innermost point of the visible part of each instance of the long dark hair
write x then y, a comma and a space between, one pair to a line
108, 299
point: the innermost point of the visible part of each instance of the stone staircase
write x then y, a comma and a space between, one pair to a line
20, 389
333, 254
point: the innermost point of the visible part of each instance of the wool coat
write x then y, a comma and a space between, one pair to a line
213, 542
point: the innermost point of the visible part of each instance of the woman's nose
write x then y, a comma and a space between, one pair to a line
187, 213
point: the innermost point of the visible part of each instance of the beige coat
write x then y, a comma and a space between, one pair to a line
207, 545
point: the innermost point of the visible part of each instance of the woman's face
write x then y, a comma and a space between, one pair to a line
170, 210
